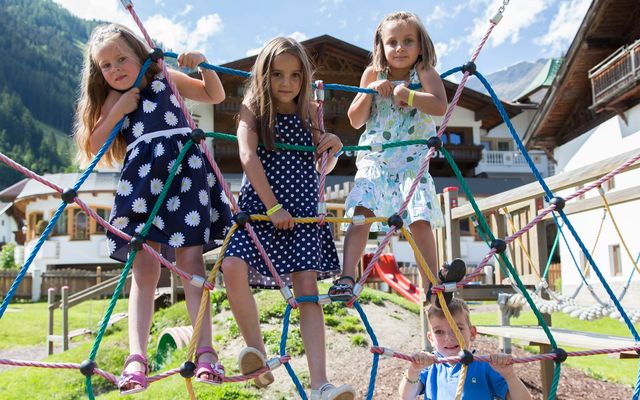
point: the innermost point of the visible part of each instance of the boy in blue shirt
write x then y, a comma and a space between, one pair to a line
494, 380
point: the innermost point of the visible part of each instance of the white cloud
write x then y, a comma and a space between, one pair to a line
297, 35
111, 11
437, 14
564, 26
187, 9
514, 20
175, 34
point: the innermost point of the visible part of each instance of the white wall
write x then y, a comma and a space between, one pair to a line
607, 140
520, 122
7, 227
463, 117
61, 249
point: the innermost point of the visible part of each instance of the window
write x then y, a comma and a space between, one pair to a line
80, 225
504, 146
34, 218
614, 260
457, 136
61, 225
104, 214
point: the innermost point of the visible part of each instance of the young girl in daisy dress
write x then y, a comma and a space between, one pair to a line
403, 54
277, 107
195, 213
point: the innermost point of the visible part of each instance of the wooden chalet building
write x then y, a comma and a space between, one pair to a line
340, 62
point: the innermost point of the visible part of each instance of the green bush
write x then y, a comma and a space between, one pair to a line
359, 340
7, 259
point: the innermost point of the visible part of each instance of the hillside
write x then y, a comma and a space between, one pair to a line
508, 83
42, 43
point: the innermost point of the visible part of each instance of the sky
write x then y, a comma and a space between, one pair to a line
226, 31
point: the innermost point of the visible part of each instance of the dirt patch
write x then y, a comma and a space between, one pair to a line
398, 329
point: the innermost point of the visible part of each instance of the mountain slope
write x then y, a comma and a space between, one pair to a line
508, 83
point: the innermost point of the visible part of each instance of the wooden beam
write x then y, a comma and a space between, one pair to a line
593, 203
558, 182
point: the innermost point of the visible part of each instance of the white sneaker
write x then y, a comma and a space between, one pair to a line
330, 392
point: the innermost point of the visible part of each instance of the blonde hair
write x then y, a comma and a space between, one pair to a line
456, 307
94, 90
427, 50
258, 88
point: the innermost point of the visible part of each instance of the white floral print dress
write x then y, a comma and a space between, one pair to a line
384, 178
195, 210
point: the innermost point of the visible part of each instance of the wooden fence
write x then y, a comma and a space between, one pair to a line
75, 279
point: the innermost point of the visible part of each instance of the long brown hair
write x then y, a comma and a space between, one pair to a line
258, 88
94, 90
427, 50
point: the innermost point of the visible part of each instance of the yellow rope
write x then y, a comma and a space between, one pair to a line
203, 306
513, 229
445, 309
615, 225
462, 378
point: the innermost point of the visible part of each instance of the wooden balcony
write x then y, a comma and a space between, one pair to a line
616, 78
332, 107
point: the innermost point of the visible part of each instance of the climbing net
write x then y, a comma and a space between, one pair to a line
242, 220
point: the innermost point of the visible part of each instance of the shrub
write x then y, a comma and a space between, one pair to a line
7, 259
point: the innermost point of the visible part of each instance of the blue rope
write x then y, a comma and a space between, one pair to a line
376, 356
329, 86
566, 242
52, 223
283, 351
549, 195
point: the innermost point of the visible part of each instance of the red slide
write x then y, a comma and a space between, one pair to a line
386, 269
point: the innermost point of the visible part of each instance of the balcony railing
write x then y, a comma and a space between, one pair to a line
617, 70
332, 107
512, 161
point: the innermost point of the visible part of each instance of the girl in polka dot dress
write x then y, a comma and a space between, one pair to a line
195, 214
277, 107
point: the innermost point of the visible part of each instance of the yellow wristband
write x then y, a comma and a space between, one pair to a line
274, 209
410, 99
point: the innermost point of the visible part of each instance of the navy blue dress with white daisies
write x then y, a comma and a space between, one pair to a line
293, 178
195, 211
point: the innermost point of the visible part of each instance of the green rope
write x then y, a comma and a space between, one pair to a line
131, 257
514, 273
286, 146
553, 250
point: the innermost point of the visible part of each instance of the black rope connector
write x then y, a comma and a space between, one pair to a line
469, 67
197, 135
187, 369
87, 367
561, 355
395, 220
68, 195
466, 357
241, 218
435, 142
156, 54
558, 202
136, 242
499, 244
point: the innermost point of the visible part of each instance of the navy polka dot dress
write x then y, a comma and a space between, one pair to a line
195, 210
293, 178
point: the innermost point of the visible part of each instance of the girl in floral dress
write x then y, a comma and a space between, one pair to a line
196, 212
403, 54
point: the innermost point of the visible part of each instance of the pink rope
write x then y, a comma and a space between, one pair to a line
425, 164
29, 173
516, 360
323, 163
209, 157
112, 378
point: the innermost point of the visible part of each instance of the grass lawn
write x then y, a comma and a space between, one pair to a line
603, 367
25, 324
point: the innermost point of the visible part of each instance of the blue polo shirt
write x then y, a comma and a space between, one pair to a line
483, 382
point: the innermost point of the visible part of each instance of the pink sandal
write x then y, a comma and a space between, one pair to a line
216, 369
138, 378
